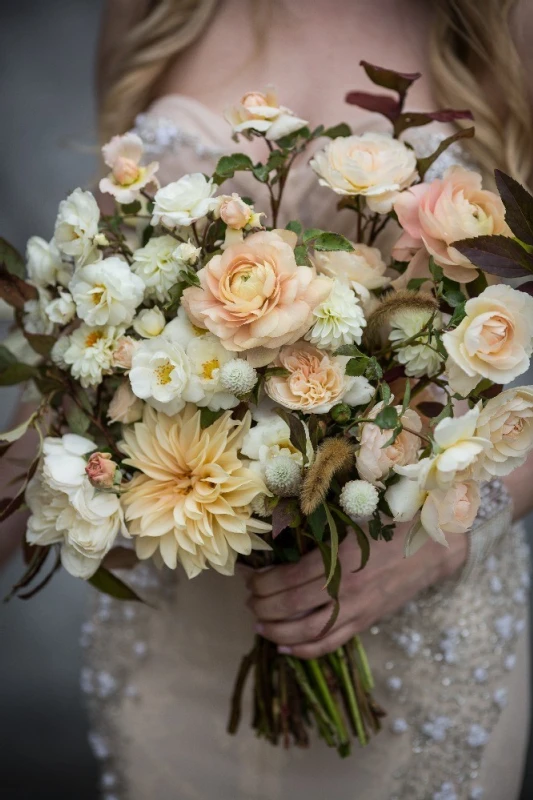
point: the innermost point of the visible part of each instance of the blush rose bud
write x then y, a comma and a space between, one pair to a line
101, 470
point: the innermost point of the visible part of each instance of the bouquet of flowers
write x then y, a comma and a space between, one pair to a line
216, 388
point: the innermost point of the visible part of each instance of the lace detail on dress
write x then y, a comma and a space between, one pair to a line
161, 136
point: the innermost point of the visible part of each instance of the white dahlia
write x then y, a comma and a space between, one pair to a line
191, 502
338, 320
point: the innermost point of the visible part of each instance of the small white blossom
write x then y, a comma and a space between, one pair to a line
421, 357
90, 352
106, 293
44, 264
77, 225
183, 202
158, 265
186, 254
359, 499
149, 322
62, 309
36, 319
58, 351
270, 438
338, 320
238, 376
283, 476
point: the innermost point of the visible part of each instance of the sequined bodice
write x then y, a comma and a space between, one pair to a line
158, 679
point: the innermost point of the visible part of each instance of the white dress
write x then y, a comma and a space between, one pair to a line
451, 667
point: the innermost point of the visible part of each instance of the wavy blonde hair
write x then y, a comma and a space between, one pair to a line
474, 64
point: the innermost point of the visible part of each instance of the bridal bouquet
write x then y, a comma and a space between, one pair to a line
215, 388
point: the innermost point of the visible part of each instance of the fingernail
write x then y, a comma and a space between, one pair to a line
284, 650
260, 628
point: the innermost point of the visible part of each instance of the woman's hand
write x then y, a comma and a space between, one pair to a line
292, 606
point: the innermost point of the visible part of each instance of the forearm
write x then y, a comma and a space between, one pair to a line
520, 486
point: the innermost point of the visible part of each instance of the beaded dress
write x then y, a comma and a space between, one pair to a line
451, 667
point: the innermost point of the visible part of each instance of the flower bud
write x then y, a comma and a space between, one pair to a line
123, 353
149, 322
101, 470
341, 413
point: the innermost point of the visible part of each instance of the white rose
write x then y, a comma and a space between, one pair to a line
90, 353
66, 509
458, 450
373, 165
158, 265
338, 320
106, 293
62, 309
44, 264
186, 254
494, 340
507, 422
149, 322
35, 319
161, 374
77, 225
183, 202
261, 112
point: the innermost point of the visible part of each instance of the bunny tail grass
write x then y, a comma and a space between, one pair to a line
401, 300
333, 455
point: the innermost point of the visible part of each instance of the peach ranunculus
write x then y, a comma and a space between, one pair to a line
507, 422
125, 406
437, 214
262, 113
127, 177
254, 295
494, 340
374, 461
363, 267
373, 165
316, 381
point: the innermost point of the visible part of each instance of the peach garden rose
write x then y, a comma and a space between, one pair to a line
434, 215
254, 295
374, 460
507, 422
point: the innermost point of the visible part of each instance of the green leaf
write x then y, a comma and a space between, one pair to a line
334, 543
436, 270
275, 372
147, 235
297, 429
385, 392
342, 129
291, 140
349, 350
301, 255
406, 395
415, 283
332, 241
294, 226
362, 539
41, 343
333, 587
310, 234
317, 522
130, 209
17, 373
356, 366
207, 417
11, 259
108, 583
458, 315
423, 164
373, 371
77, 420
387, 419
227, 166
6, 357
452, 293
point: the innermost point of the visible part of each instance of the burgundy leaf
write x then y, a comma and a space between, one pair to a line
14, 290
518, 206
282, 516
417, 118
378, 103
390, 79
430, 409
497, 255
526, 287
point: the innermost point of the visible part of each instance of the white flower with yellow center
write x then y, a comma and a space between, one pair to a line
181, 203
90, 352
158, 266
270, 438
338, 320
191, 502
161, 375
106, 293
421, 357
77, 225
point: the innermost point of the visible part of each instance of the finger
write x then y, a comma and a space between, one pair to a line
308, 628
286, 576
283, 605
328, 644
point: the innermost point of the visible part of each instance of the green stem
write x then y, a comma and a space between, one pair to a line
350, 696
329, 701
306, 688
366, 672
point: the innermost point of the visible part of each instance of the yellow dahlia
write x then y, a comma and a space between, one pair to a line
191, 500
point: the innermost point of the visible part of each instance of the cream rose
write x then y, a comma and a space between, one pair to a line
363, 267
254, 295
316, 381
127, 177
450, 511
434, 215
374, 461
373, 165
262, 113
507, 422
494, 340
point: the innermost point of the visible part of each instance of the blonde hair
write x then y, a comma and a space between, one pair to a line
473, 60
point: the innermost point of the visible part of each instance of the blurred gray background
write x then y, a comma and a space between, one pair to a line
47, 148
